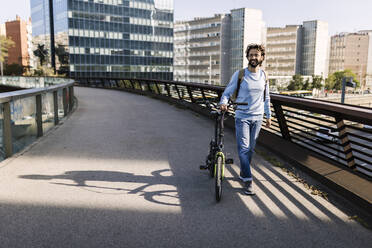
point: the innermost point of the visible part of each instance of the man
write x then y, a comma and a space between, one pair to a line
248, 118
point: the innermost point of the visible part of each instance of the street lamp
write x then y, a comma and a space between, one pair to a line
52, 46
210, 69
346, 81
1, 62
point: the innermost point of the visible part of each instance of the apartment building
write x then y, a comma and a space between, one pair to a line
110, 38
199, 48
2, 29
283, 50
17, 31
209, 50
247, 27
351, 51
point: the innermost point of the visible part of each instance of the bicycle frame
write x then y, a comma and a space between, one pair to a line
216, 160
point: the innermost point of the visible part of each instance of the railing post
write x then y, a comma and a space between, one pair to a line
203, 94
71, 98
64, 99
132, 84
345, 143
219, 94
55, 104
148, 86
157, 87
281, 120
140, 83
178, 92
7, 131
39, 115
190, 94
168, 90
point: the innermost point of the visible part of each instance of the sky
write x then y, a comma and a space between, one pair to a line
341, 15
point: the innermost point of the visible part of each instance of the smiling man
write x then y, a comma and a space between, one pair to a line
250, 86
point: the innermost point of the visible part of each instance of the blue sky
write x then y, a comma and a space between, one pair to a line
342, 15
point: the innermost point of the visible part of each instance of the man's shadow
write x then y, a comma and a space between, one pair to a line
80, 179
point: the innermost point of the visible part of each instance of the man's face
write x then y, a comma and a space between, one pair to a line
255, 58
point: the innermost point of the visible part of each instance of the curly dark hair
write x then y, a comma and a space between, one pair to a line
260, 48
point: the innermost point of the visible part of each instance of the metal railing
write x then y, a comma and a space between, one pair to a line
28, 114
340, 132
32, 82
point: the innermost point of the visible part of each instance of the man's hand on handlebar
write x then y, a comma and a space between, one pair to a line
223, 107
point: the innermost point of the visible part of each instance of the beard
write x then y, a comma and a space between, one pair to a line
254, 63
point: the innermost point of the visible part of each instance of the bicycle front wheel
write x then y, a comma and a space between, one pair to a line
218, 177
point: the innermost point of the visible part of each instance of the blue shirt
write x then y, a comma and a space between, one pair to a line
251, 91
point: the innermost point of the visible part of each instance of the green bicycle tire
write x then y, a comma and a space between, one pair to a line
218, 178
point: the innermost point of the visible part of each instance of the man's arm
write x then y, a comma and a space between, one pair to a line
267, 106
229, 90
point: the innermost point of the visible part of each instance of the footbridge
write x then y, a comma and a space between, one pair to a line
115, 163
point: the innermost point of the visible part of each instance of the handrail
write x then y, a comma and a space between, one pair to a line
298, 120
350, 112
8, 96
9, 125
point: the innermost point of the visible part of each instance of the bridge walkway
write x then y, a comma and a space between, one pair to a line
123, 171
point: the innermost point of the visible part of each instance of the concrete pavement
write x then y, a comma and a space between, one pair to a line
123, 171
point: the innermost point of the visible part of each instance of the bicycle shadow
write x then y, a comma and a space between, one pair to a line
87, 179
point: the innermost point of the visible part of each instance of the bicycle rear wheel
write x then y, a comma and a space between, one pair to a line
218, 177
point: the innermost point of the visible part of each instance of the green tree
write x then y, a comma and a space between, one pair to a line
307, 85
63, 58
297, 83
5, 44
334, 81
62, 54
42, 53
14, 70
317, 82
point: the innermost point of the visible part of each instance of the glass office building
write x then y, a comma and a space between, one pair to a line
110, 38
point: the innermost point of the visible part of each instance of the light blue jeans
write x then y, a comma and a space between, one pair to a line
247, 132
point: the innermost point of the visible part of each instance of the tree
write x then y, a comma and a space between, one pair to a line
63, 58
41, 52
14, 70
307, 85
334, 81
317, 82
296, 83
62, 54
5, 44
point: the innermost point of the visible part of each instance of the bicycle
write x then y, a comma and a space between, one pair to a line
216, 160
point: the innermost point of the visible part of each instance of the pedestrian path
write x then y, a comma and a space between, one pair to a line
123, 171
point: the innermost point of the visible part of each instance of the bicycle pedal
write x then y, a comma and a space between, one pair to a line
203, 167
229, 161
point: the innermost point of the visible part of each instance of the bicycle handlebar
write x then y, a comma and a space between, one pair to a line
230, 103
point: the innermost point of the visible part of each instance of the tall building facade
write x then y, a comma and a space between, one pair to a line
350, 51
109, 38
315, 48
30, 46
283, 50
199, 47
247, 27
210, 50
17, 31
2, 29
297, 49
368, 84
